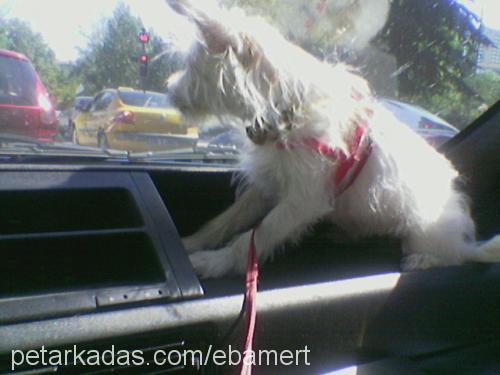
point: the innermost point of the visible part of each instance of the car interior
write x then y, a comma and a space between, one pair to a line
92, 256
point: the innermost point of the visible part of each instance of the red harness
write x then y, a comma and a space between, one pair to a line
348, 166
348, 169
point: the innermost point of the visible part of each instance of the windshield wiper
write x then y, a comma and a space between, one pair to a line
21, 147
190, 154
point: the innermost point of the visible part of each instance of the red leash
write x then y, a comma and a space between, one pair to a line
348, 170
252, 278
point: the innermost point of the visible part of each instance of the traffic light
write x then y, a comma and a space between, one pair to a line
144, 36
143, 68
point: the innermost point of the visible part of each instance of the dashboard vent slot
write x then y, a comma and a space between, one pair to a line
63, 210
83, 241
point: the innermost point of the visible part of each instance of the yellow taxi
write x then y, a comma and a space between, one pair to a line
132, 120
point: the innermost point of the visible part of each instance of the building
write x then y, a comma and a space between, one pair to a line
489, 56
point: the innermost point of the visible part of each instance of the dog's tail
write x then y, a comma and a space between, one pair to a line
488, 252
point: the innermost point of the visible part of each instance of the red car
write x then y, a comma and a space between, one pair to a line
25, 105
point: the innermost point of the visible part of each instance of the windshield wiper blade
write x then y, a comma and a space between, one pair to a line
20, 146
182, 155
18, 139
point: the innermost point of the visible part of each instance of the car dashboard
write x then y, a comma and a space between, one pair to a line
92, 256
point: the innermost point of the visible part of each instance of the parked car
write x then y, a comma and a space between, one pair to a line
432, 128
81, 103
132, 120
67, 119
26, 107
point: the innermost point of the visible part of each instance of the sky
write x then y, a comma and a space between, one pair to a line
66, 24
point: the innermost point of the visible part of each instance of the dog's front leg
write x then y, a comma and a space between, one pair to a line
286, 221
245, 212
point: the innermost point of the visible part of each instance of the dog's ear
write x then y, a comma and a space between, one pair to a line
182, 7
208, 17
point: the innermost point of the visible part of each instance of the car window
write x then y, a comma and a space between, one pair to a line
81, 103
101, 102
95, 100
106, 100
144, 99
433, 63
17, 82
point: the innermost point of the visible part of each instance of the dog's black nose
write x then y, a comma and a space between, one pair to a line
257, 135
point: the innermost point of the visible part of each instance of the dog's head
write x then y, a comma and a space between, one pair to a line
241, 66
238, 66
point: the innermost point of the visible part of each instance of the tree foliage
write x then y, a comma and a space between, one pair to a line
18, 36
486, 85
435, 43
112, 57
426, 53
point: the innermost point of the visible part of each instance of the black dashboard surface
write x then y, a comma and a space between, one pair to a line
91, 254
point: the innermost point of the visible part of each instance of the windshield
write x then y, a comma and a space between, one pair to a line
17, 82
108, 64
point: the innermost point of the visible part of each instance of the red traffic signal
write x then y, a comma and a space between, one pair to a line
143, 68
144, 37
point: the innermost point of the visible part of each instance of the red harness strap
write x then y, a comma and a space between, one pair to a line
347, 171
349, 167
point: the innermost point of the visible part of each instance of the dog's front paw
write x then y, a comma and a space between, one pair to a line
418, 261
212, 264
191, 244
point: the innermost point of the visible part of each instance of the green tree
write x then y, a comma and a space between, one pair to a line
461, 107
18, 36
112, 57
424, 54
486, 85
435, 43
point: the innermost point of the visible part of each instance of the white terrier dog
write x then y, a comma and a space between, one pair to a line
322, 148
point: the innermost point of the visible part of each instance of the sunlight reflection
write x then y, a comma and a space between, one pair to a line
307, 293
353, 370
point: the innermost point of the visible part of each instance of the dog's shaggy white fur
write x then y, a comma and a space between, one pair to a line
242, 67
